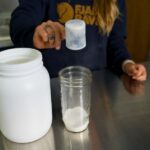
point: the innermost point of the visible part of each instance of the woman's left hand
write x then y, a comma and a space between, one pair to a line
136, 71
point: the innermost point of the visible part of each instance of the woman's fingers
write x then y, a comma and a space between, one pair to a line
141, 74
49, 35
61, 29
39, 37
137, 72
131, 69
57, 33
141, 78
42, 32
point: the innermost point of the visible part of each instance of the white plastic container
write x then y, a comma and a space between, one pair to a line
75, 34
25, 97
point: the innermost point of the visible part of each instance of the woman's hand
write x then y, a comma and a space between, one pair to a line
49, 35
136, 71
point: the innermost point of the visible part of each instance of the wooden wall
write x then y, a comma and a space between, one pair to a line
138, 24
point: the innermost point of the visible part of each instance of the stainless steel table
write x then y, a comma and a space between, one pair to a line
119, 120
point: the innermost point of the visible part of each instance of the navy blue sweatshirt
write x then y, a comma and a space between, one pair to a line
101, 51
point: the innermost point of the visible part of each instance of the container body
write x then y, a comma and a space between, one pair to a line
25, 100
75, 97
75, 34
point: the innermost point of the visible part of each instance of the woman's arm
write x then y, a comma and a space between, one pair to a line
25, 18
118, 56
117, 51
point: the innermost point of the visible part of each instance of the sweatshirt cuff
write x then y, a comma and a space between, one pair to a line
125, 62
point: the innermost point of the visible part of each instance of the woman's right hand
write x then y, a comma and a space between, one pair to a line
49, 35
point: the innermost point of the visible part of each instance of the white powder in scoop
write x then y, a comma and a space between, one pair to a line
76, 119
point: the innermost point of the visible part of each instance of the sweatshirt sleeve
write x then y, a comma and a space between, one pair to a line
24, 20
117, 51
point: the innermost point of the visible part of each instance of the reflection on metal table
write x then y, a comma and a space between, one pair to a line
119, 120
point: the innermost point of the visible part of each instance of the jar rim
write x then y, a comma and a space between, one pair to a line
18, 61
83, 75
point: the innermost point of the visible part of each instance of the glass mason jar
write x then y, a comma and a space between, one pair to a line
75, 97
25, 97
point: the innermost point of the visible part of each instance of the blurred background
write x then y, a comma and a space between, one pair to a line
138, 25
6, 8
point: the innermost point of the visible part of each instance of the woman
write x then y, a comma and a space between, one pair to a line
40, 24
